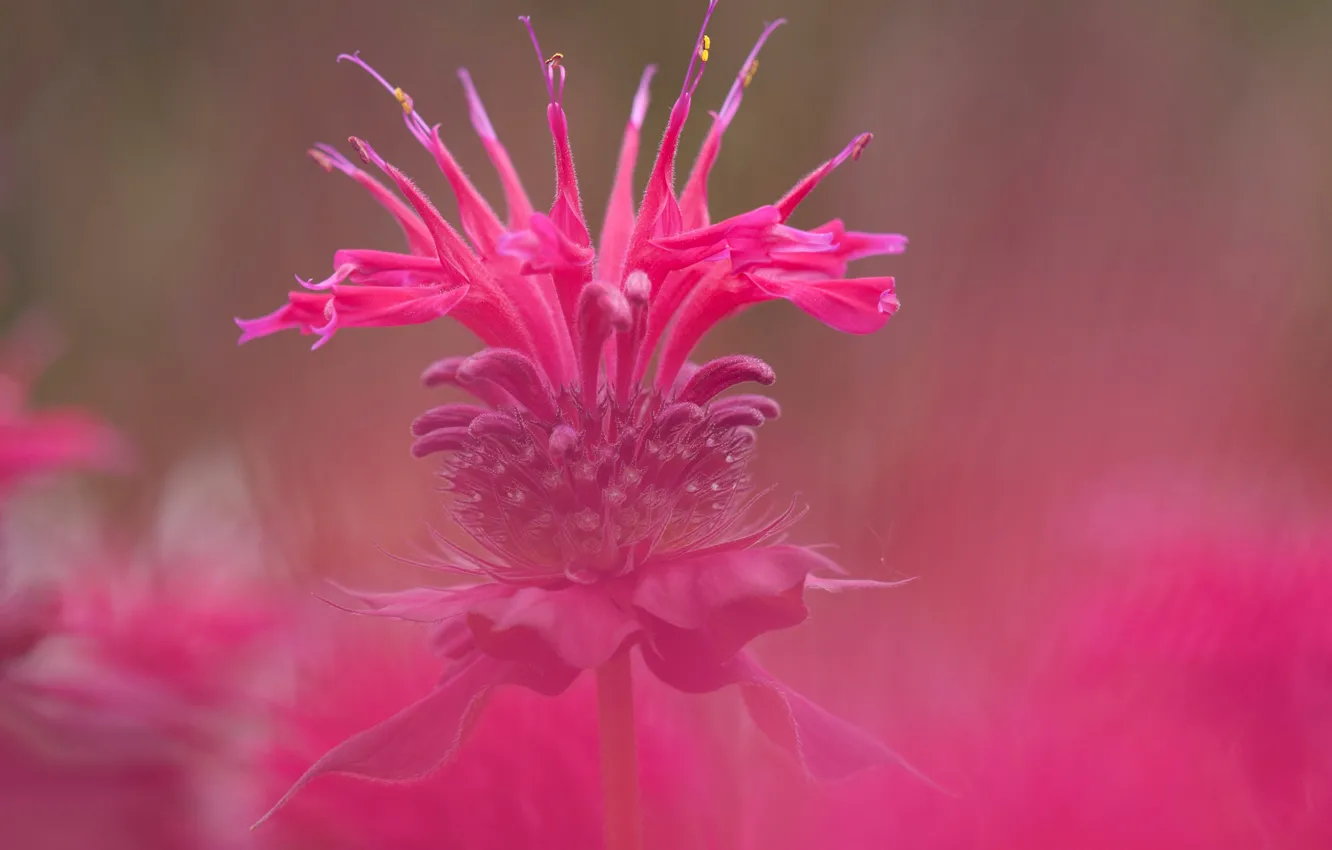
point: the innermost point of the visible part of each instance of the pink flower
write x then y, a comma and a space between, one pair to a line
1183, 702
124, 725
607, 510
32, 443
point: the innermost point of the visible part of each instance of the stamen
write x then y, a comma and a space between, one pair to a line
547, 65
750, 70
862, 141
405, 99
414, 121
701, 48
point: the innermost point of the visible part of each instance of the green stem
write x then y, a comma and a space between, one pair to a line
619, 755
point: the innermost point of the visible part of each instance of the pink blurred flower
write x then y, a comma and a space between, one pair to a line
127, 724
49, 440
607, 510
1183, 704
32, 443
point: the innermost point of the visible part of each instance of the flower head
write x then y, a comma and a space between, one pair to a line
608, 509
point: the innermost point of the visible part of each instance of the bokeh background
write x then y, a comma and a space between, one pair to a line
1117, 300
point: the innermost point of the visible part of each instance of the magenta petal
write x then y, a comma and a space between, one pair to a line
579, 626
303, 311
717, 603
827, 746
388, 306
690, 593
424, 604
852, 305
415, 741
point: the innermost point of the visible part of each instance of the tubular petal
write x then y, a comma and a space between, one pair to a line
857, 305
386, 306
601, 311
721, 374
792, 199
619, 222
446, 416
512, 372
520, 208
303, 311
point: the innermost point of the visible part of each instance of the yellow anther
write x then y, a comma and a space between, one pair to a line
703, 50
405, 99
750, 70
554, 60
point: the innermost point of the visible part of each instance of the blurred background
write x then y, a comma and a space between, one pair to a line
1117, 302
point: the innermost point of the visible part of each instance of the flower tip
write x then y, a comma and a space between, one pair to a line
248, 330
641, 97
638, 288
321, 159
364, 151
888, 303
475, 110
861, 142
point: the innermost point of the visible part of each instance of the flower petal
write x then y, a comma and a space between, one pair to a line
387, 306
303, 311
619, 221
728, 598
579, 626
858, 305
415, 741
827, 746
423, 604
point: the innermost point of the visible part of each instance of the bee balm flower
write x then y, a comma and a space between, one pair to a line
609, 510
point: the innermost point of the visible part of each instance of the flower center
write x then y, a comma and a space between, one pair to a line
594, 493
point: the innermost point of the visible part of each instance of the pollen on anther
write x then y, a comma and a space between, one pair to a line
704, 48
405, 99
750, 70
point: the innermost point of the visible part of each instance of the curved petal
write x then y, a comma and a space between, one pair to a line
580, 626
726, 599
415, 741
858, 305
303, 311
388, 306
826, 746
423, 604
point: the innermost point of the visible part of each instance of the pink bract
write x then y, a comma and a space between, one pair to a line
608, 510
527, 775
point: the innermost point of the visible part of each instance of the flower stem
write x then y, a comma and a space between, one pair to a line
619, 756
